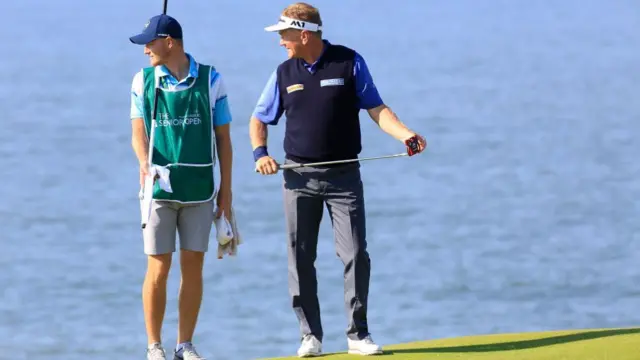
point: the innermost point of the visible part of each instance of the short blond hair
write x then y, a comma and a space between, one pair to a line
303, 11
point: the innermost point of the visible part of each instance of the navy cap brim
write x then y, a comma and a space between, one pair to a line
143, 39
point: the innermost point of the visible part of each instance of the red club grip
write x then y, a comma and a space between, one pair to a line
413, 145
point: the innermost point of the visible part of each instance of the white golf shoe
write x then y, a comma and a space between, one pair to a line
365, 346
156, 352
310, 346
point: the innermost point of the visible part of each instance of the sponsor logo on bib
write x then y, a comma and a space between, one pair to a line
187, 120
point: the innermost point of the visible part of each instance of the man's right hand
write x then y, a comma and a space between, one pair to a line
266, 165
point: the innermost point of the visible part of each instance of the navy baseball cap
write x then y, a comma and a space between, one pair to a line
157, 27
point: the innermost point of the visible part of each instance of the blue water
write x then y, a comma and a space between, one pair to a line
523, 214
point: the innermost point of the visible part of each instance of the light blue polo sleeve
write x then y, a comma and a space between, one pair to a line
136, 96
219, 101
269, 108
368, 95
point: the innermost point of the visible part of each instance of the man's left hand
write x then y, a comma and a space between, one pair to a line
223, 201
415, 144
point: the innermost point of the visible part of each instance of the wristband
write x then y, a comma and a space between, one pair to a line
259, 152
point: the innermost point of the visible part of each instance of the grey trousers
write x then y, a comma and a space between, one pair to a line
306, 191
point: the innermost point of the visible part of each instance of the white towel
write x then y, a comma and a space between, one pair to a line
146, 193
163, 180
223, 232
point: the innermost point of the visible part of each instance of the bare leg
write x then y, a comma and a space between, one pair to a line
154, 295
190, 296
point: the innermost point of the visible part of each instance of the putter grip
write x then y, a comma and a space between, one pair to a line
413, 145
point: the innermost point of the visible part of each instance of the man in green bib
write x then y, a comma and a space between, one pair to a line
189, 132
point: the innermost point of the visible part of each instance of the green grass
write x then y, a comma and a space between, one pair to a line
598, 344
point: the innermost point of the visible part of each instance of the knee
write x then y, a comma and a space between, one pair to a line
305, 254
357, 254
158, 267
191, 263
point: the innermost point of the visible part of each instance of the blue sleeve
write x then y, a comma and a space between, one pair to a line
220, 101
365, 88
269, 108
136, 97
136, 106
222, 114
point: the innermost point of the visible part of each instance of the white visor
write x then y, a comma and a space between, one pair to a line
289, 23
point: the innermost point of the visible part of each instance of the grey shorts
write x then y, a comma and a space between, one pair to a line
192, 222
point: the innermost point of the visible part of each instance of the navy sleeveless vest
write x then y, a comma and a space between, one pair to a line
321, 108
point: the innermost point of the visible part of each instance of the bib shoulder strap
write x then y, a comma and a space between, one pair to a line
204, 73
148, 75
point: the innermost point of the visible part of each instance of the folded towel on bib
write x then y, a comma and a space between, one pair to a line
146, 193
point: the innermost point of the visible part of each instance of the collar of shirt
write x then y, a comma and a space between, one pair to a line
165, 79
312, 67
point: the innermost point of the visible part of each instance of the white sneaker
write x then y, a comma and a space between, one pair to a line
365, 346
310, 346
188, 353
156, 352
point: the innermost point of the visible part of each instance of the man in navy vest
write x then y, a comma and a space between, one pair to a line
321, 89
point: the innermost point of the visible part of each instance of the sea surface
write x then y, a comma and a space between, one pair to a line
522, 215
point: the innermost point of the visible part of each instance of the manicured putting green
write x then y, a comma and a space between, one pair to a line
594, 344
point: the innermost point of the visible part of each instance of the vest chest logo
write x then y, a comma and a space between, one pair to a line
294, 87
332, 82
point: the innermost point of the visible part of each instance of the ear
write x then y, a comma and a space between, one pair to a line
170, 42
304, 37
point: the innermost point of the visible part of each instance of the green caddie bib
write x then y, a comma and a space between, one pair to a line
183, 138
